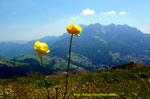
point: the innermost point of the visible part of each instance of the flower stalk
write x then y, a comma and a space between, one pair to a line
68, 67
56, 88
44, 78
72, 29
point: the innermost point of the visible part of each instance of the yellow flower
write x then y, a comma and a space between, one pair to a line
74, 29
41, 48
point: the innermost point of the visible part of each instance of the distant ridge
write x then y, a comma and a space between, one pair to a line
102, 46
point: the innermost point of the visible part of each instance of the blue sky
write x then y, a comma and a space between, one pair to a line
34, 19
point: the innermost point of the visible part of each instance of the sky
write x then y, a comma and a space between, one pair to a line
34, 19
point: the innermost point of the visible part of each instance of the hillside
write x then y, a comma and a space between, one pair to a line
120, 84
109, 45
130, 65
98, 48
116, 43
22, 66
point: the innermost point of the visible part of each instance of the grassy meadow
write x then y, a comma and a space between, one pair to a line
111, 84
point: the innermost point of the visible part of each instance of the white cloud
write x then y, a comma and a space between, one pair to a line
74, 17
87, 11
122, 13
113, 13
109, 13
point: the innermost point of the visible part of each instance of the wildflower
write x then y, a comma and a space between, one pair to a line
135, 94
64, 72
56, 87
41, 48
74, 29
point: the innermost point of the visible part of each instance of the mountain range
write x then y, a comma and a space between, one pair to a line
98, 47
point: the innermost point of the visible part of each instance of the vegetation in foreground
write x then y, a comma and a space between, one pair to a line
112, 84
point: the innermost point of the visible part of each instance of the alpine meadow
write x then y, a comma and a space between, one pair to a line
74, 49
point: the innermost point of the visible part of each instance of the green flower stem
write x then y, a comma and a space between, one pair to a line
56, 93
68, 67
44, 78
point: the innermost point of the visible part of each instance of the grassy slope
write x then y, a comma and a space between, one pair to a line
53, 63
124, 83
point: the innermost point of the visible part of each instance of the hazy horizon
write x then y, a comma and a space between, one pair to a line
24, 41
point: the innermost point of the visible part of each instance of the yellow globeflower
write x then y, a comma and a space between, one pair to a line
74, 29
41, 48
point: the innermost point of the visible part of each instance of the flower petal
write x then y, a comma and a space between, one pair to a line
74, 29
41, 48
